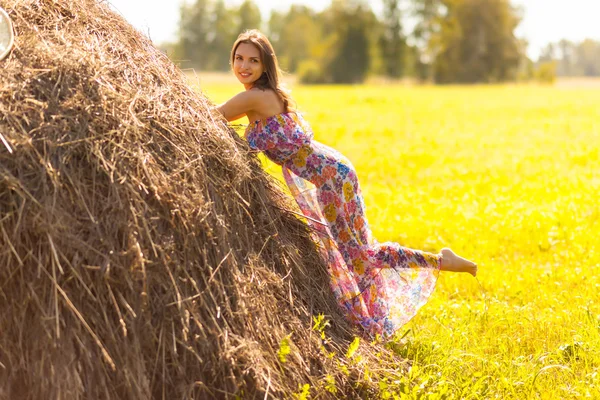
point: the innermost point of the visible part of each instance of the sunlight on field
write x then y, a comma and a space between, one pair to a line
507, 176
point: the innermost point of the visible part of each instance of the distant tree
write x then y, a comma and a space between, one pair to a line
546, 72
221, 37
275, 28
567, 57
452, 40
526, 68
548, 53
427, 17
392, 41
347, 25
573, 59
194, 27
295, 35
588, 55
248, 16
208, 28
295, 47
476, 42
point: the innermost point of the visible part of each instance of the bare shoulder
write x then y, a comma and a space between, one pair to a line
255, 104
268, 101
266, 97
243, 103
248, 96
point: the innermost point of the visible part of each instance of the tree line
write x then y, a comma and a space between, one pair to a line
443, 41
573, 58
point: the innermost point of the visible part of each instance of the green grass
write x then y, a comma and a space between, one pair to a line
508, 176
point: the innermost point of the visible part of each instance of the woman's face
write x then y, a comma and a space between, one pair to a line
247, 65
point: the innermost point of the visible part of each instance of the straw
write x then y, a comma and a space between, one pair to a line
144, 252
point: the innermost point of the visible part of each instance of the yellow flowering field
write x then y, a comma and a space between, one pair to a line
508, 176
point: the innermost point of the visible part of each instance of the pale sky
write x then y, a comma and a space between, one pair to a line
544, 21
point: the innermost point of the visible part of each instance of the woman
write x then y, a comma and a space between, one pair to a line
380, 286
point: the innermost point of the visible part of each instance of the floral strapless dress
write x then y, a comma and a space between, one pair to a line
379, 286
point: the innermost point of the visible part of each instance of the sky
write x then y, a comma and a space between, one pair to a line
544, 21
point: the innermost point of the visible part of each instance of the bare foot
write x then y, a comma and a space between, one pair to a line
452, 262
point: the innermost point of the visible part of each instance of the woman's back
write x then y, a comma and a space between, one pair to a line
268, 104
280, 136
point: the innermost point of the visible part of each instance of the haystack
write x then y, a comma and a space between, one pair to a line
144, 253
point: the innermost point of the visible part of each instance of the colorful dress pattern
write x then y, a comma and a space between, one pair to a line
380, 286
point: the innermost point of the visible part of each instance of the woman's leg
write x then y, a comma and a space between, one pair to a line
340, 198
392, 281
341, 202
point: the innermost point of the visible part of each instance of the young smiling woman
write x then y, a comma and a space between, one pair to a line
380, 286
254, 64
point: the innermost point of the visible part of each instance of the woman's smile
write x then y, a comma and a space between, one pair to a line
247, 64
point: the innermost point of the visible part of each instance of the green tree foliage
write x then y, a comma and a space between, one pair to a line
526, 67
194, 26
275, 26
392, 41
208, 28
573, 59
249, 16
427, 17
567, 60
345, 48
296, 36
588, 56
546, 72
476, 42
221, 38
348, 25
452, 40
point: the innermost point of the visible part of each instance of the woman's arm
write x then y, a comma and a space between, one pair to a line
240, 104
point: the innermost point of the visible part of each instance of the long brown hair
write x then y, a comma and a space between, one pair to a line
271, 77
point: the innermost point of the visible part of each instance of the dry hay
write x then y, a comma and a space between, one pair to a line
144, 252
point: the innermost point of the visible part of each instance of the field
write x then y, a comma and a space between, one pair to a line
507, 176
